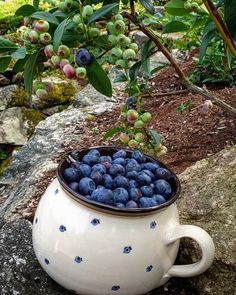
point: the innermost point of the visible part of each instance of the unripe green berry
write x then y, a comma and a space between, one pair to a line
93, 32
41, 93
119, 27
132, 116
110, 28
80, 28
146, 117
195, 6
124, 138
139, 137
77, 19
133, 144
122, 40
55, 60
133, 46
116, 52
69, 4
120, 63
112, 39
118, 17
33, 37
129, 54
81, 73
41, 26
139, 124
63, 51
45, 38
87, 11
112, 60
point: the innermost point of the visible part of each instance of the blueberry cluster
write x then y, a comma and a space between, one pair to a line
123, 180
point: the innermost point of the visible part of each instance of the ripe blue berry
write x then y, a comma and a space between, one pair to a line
162, 173
147, 191
162, 187
74, 186
139, 157
84, 169
120, 205
121, 181
103, 195
116, 169
97, 177
149, 173
159, 199
150, 166
147, 202
121, 195
119, 154
132, 165
94, 152
91, 160
108, 181
132, 175
86, 186
133, 184
99, 168
71, 175
143, 178
131, 204
135, 194
83, 57
120, 161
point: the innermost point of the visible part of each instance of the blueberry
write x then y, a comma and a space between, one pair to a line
120, 161
105, 159
107, 181
83, 57
100, 168
76, 164
132, 175
71, 175
74, 186
162, 187
116, 169
148, 172
94, 152
133, 184
131, 204
159, 199
84, 169
119, 154
97, 177
147, 191
86, 186
120, 205
143, 178
121, 181
121, 195
135, 194
131, 102
139, 157
147, 202
150, 166
132, 165
163, 173
91, 160
103, 195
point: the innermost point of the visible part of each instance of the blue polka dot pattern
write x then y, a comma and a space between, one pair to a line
127, 249
36, 220
115, 288
153, 224
62, 228
56, 191
78, 259
95, 221
149, 268
46, 261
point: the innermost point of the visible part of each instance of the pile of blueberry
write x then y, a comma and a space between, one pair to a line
124, 180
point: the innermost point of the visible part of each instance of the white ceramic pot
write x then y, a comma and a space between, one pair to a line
103, 250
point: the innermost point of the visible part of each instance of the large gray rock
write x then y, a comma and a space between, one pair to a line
20, 272
17, 124
208, 200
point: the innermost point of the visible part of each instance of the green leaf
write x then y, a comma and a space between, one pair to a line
19, 65
58, 34
158, 68
20, 53
25, 10
155, 136
175, 26
69, 37
104, 10
29, 71
46, 16
204, 44
112, 132
36, 4
4, 63
7, 46
58, 13
134, 70
98, 78
147, 4
176, 7
145, 52
120, 77
230, 16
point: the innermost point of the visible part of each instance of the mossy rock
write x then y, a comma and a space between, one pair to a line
32, 117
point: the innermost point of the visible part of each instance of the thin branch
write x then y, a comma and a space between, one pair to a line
183, 79
163, 94
132, 7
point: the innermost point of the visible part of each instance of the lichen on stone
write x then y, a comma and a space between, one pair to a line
32, 117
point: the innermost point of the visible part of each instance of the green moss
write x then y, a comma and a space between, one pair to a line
20, 98
4, 164
33, 117
61, 93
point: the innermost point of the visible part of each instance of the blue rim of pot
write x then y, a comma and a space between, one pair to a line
108, 151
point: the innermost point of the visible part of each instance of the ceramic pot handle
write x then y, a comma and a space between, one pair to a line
206, 244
